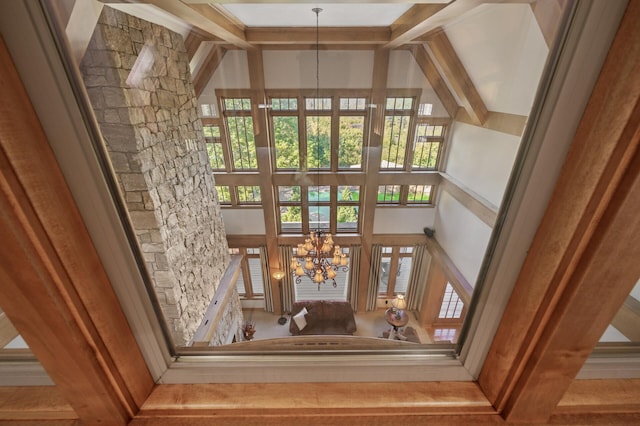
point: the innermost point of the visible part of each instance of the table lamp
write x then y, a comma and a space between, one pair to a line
399, 304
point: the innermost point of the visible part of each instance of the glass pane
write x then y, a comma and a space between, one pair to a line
347, 218
451, 304
318, 142
319, 217
243, 146
385, 265
308, 290
318, 104
249, 194
399, 104
224, 195
284, 104
319, 194
402, 276
240, 285
389, 194
211, 131
350, 142
348, 193
394, 141
352, 104
237, 104
255, 270
291, 219
425, 109
285, 134
216, 156
288, 193
426, 149
419, 194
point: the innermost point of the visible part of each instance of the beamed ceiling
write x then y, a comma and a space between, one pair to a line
212, 29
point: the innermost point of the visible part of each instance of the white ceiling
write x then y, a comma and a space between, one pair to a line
332, 15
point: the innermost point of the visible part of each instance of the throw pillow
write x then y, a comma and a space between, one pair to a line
301, 322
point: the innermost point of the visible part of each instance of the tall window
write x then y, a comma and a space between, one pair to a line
348, 208
308, 290
290, 208
452, 306
239, 123
285, 122
405, 194
351, 133
215, 150
426, 147
397, 121
318, 125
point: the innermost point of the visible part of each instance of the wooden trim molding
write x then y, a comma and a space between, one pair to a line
582, 263
55, 290
484, 210
445, 55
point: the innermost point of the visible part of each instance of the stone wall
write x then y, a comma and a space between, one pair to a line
137, 76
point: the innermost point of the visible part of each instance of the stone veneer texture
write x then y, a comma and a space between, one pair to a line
138, 80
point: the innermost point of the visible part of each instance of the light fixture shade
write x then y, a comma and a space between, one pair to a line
331, 274
278, 275
399, 302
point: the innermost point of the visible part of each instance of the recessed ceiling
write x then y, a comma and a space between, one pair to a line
332, 15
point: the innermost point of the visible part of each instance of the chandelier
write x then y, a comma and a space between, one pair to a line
312, 257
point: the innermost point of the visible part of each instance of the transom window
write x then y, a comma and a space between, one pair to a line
240, 195
239, 129
335, 209
405, 194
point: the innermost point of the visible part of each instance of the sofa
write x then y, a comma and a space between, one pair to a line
324, 317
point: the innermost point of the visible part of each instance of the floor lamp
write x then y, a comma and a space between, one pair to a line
279, 275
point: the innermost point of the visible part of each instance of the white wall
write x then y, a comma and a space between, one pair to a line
404, 73
243, 221
504, 53
291, 69
481, 159
232, 73
398, 220
462, 235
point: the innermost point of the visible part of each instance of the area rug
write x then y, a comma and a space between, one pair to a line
408, 332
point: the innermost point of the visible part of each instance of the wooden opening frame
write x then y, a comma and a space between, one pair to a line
45, 238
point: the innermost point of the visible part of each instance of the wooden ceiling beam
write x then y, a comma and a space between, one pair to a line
201, 16
209, 66
457, 76
435, 80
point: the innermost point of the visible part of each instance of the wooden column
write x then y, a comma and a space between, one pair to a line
583, 261
263, 151
372, 164
54, 288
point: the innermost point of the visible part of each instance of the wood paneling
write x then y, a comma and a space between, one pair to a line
320, 400
583, 261
44, 403
601, 396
